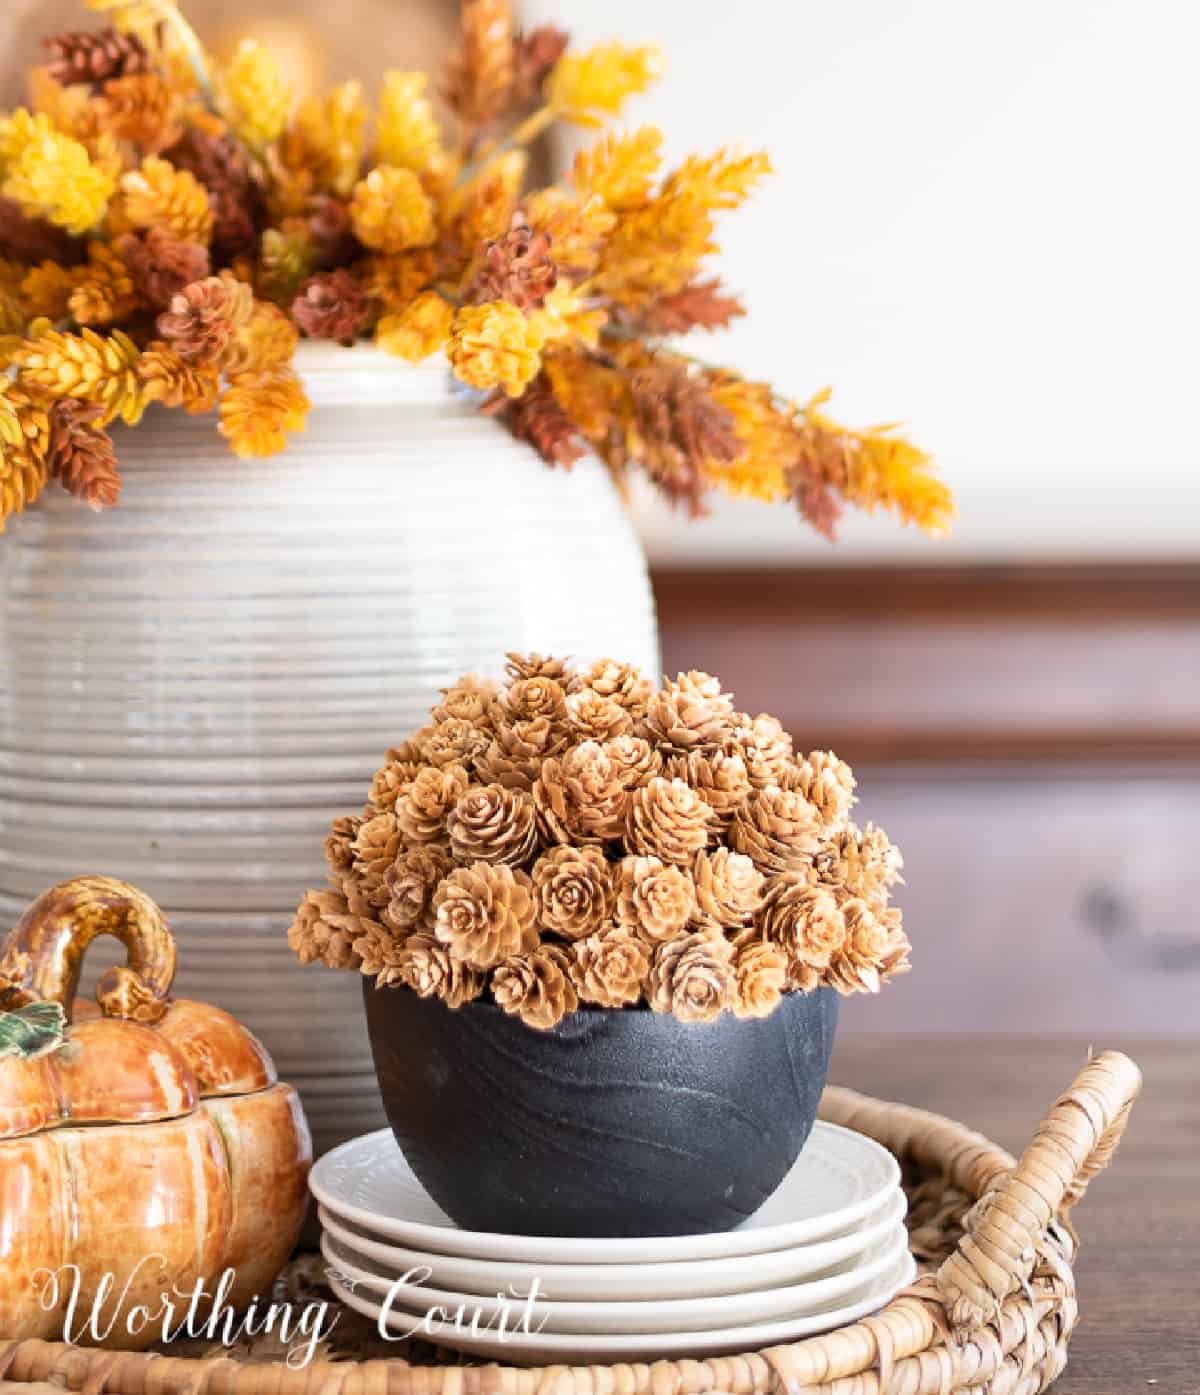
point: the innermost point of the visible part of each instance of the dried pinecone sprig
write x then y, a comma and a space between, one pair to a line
333, 306
81, 454
202, 319
534, 56
162, 265
157, 170
516, 850
537, 418
517, 267
95, 58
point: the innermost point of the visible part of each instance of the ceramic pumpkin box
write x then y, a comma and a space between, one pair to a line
148, 1140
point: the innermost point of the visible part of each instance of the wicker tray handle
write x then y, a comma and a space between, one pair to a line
1075, 1142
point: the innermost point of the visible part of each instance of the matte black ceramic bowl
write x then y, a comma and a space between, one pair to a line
615, 1123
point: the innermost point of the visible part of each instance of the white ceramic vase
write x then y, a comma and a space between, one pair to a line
191, 687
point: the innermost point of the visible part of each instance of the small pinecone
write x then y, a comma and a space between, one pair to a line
760, 973
410, 883
765, 747
596, 718
895, 957
485, 914
779, 829
377, 948
203, 318
536, 418
424, 966
339, 846
864, 863
235, 193
827, 783
636, 760
667, 819
806, 922
515, 755
81, 455
535, 666
729, 888
517, 267
325, 929
692, 977
855, 969
469, 700
332, 305
94, 58
160, 265
375, 847
690, 714
624, 683
493, 824
527, 699
654, 899
573, 891
611, 967
536, 987
579, 796
719, 778
450, 742
422, 810
401, 767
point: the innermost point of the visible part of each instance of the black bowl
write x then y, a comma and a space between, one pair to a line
615, 1123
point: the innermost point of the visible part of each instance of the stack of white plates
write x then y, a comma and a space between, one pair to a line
830, 1246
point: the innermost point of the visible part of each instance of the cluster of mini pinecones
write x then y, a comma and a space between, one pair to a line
574, 838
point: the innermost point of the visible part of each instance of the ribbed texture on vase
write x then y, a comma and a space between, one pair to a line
193, 686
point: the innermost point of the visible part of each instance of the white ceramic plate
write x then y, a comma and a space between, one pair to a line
839, 1178
675, 1315
518, 1347
608, 1282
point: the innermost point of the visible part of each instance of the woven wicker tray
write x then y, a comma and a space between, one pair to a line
993, 1308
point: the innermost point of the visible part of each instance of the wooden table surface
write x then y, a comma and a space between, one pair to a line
1138, 1270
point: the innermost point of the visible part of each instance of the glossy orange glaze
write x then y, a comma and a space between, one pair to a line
226, 1058
269, 1152
116, 1176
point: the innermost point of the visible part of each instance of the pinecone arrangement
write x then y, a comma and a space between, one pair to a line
575, 838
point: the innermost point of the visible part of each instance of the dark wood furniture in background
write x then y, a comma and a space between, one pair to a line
1030, 736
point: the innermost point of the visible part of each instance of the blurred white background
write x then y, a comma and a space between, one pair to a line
985, 223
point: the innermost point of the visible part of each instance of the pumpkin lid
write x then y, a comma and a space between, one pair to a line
139, 1055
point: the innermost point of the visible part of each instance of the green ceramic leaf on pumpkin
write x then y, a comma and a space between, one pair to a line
34, 1030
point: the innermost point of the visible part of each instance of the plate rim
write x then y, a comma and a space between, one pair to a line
607, 1250
746, 1339
889, 1252
891, 1211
